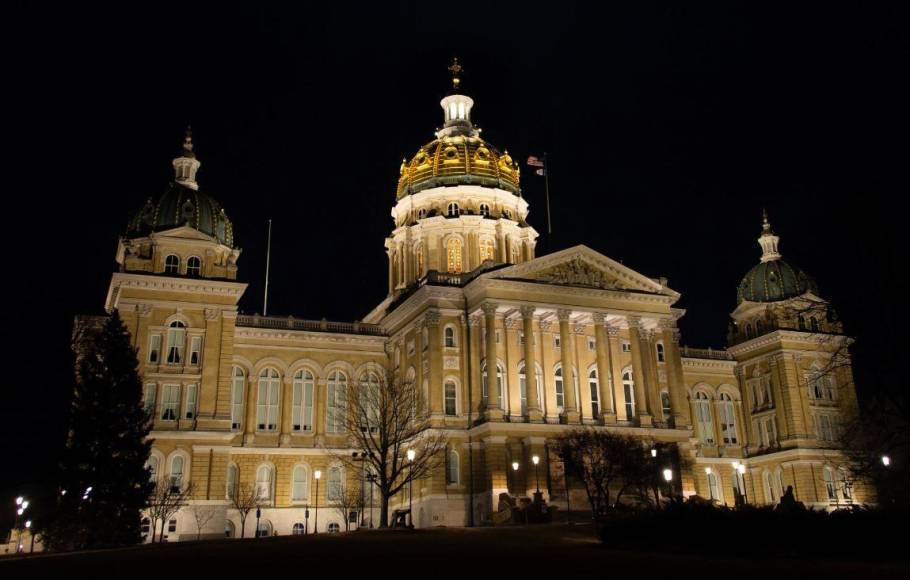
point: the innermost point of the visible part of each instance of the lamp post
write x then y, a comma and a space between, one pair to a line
371, 478
740, 468
258, 515
668, 477
306, 519
28, 526
411, 455
515, 476
363, 459
536, 461
886, 461
318, 475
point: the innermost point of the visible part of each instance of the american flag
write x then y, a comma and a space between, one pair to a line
534, 161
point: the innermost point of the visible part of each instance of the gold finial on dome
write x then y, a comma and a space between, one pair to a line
456, 73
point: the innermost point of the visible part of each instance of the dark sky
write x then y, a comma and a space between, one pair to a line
668, 130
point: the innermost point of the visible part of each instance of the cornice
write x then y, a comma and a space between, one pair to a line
306, 336
778, 336
477, 286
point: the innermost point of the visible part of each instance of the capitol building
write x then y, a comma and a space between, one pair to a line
574, 338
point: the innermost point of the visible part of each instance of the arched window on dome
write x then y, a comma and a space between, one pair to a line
172, 264
194, 266
487, 250
452, 210
453, 254
485, 210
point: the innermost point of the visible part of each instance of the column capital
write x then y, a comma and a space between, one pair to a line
528, 311
675, 336
432, 317
666, 324
489, 308
475, 320
634, 322
599, 318
563, 314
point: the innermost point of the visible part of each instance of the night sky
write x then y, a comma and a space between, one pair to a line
668, 131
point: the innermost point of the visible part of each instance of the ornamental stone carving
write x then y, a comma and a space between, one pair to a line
563, 314
432, 318
577, 272
212, 314
528, 311
489, 308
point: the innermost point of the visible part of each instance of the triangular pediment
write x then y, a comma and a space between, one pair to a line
185, 233
580, 266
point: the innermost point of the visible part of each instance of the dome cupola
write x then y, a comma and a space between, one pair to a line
773, 279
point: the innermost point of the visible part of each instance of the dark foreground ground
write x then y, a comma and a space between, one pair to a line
430, 553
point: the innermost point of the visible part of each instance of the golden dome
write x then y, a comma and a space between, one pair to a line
458, 160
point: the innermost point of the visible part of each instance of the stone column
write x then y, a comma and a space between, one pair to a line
583, 393
615, 349
649, 358
249, 426
638, 372
568, 385
534, 413
434, 352
494, 406
475, 377
284, 427
602, 343
680, 410
495, 463
511, 355
547, 365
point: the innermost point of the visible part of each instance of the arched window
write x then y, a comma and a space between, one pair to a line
421, 213
713, 487
759, 327
333, 484
335, 397
769, 487
560, 388
298, 529
231, 480
369, 400
176, 480
453, 256
704, 418
264, 482
487, 250
194, 266
421, 261
302, 405
507, 214
485, 210
452, 209
846, 485
238, 380
727, 419
229, 529
452, 468
523, 387
176, 341
499, 380
264, 530
661, 356
595, 393
267, 402
300, 486
830, 487
152, 466
628, 391
451, 398
172, 264
802, 322
450, 337
813, 324
665, 404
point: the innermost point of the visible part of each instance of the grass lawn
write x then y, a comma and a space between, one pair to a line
424, 553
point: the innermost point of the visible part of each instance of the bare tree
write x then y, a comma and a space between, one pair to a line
244, 498
349, 499
202, 515
166, 500
386, 418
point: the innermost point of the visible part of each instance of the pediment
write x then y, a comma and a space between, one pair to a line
581, 266
185, 233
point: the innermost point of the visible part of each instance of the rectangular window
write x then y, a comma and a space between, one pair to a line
521, 338
196, 350
592, 344
148, 399
191, 396
154, 348
450, 399
170, 402
626, 346
237, 402
557, 341
630, 400
302, 408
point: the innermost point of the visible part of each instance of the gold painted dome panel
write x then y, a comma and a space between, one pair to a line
458, 160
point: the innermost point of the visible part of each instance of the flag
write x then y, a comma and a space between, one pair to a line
534, 161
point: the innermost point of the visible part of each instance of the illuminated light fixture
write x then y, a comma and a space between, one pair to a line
886, 461
515, 465
708, 470
654, 453
668, 474
411, 454
535, 460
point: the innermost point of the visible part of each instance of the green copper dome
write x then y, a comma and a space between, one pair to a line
183, 206
774, 280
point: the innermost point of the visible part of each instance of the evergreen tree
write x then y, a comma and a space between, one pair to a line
107, 446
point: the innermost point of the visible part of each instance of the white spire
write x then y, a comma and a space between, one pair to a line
186, 165
768, 241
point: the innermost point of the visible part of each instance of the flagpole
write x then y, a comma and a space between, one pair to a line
546, 187
268, 255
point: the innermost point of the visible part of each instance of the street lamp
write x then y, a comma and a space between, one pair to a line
536, 460
740, 468
363, 458
886, 461
654, 452
371, 478
318, 475
411, 455
668, 475
28, 526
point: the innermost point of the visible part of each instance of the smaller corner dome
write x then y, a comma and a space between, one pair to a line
458, 160
183, 206
773, 281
